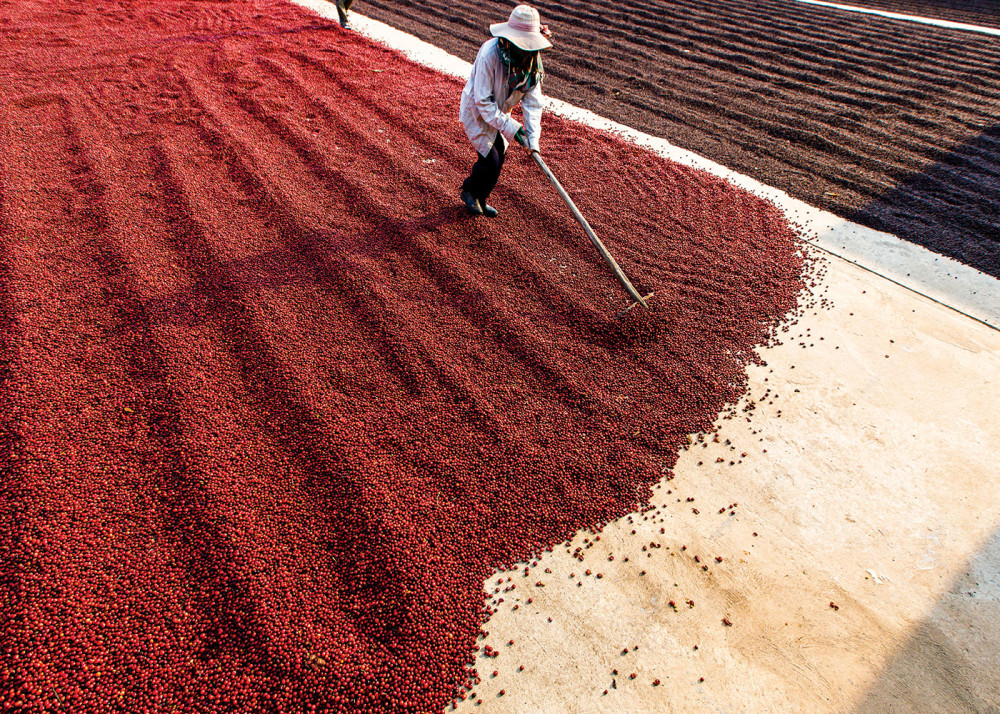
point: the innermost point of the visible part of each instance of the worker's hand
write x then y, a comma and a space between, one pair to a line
521, 138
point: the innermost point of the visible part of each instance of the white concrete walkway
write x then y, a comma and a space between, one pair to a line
948, 24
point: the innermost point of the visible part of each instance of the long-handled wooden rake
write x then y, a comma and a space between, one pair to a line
608, 258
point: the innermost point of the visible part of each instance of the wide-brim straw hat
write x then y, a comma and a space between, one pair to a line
524, 29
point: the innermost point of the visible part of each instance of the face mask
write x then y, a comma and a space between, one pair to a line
519, 57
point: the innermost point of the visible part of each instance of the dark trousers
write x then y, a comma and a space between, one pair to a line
486, 171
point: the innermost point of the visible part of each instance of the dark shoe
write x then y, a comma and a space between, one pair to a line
488, 210
471, 204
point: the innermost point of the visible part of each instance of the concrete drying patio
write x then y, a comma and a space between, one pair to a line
870, 480
856, 514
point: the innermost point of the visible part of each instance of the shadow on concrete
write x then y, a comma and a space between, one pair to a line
951, 207
951, 662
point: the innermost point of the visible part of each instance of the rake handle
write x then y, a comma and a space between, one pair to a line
608, 258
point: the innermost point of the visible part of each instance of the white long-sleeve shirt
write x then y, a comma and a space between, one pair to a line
485, 107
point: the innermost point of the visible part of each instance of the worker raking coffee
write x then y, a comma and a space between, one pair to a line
507, 72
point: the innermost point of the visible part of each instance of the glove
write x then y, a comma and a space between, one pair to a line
521, 138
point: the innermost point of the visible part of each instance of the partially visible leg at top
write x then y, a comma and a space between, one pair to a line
342, 7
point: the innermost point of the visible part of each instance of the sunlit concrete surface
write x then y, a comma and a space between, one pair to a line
871, 480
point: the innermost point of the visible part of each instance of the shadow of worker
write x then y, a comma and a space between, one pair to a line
951, 662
